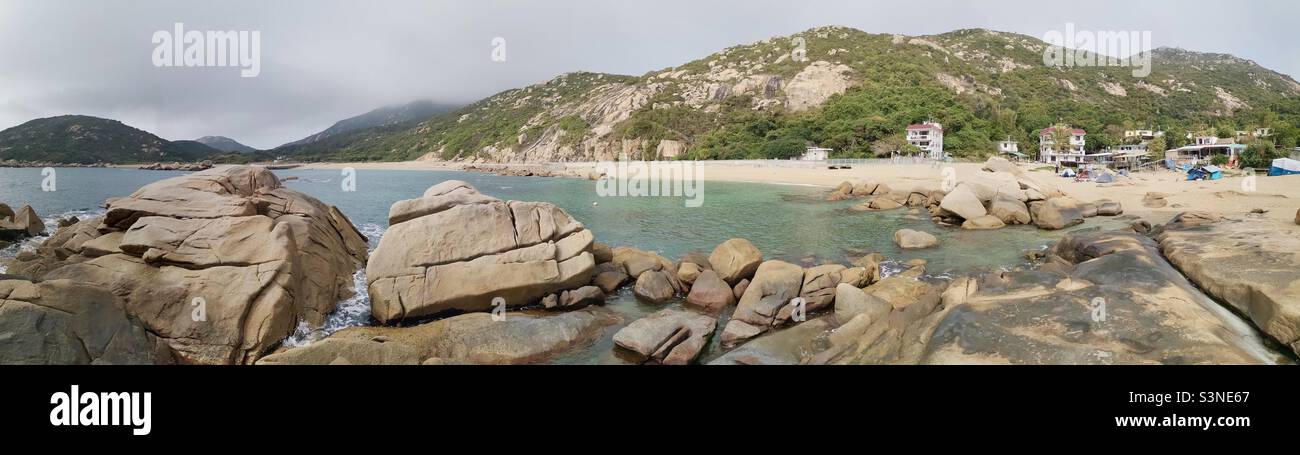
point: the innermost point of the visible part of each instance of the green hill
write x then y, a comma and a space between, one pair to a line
855, 92
87, 140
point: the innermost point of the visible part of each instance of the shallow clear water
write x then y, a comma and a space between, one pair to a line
792, 223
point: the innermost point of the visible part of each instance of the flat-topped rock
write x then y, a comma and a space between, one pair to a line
670, 336
474, 338
1102, 298
1252, 265
458, 250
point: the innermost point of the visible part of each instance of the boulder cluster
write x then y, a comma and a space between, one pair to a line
220, 266
178, 166
1003, 194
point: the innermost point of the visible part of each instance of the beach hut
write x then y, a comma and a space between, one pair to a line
1284, 166
1207, 172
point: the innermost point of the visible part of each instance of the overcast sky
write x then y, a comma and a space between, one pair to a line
322, 61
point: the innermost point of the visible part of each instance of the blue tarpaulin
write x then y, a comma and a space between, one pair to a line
1284, 166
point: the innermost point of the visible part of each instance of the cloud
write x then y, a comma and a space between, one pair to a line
326, 60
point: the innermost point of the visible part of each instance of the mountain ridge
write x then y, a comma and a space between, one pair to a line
854, 92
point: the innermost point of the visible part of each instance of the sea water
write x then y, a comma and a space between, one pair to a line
791, 223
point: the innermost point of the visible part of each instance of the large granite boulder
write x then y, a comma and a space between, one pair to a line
818, 288
460, 250
1010, 210
653, 286
1000, 164
710, 292
735, 260
670, 336
775, 285
1056, 213
964, 201
474, 338
1102, 298
18, 224
61, 322
220, 264
1252, 265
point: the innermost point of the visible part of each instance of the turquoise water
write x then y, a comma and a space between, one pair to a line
791, 223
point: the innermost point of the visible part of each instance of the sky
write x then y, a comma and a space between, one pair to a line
322, 61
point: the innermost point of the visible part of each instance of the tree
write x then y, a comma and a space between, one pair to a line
1259, 155
1061, 135
1156, 148
1176, 137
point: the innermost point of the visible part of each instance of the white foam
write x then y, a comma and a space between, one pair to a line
351, 312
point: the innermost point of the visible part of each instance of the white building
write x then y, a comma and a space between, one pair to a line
928, 137
816, 154
1142, 135
1008, 146
1071, 155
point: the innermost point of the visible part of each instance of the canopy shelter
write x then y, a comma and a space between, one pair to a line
1284, 166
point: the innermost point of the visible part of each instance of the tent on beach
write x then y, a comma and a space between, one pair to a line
1067, 172
1207, 172
1106, 177
1284, 166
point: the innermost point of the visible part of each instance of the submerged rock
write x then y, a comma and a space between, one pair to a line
911, 240
455, 249
220, 264
671, 336
983, 222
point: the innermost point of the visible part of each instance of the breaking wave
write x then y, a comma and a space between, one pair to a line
351, 312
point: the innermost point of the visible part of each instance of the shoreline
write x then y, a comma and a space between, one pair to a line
1278, 196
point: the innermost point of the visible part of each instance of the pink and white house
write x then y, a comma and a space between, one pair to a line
927, 136
1071, 156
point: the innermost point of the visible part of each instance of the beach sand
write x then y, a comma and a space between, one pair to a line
1278, 196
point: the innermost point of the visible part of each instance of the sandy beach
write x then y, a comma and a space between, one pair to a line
1278, 196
